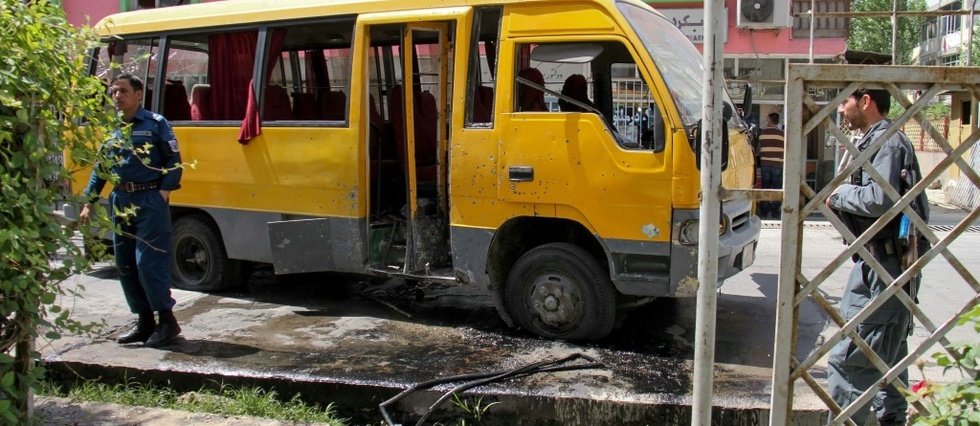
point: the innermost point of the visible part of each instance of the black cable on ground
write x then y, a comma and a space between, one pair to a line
479, 379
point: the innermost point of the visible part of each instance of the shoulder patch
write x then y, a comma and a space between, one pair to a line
173, 145
156, 117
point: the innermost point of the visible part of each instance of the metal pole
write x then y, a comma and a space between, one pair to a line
969, 55
813, 23
781, 402
704, 344
894, 32
969, 38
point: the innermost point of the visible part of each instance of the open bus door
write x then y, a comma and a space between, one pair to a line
427, 62
417, 99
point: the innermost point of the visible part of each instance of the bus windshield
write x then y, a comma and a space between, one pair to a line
678, 61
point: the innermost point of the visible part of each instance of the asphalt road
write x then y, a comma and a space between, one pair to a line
355, 342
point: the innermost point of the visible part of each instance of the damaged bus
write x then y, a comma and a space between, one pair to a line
544, 150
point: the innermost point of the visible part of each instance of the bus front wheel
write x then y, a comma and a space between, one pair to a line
198, 258
559, 290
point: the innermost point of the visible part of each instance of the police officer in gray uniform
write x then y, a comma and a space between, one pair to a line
859, 203
147, 171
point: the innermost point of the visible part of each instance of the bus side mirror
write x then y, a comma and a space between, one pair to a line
696, 143
747, 101
653, 131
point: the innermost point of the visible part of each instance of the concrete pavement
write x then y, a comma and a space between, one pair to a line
354, 343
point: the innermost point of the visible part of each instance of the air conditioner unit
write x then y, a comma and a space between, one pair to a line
763, 14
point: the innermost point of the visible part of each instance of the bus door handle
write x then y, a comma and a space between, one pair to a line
521, 173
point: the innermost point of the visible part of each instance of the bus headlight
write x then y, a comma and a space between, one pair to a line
687, 234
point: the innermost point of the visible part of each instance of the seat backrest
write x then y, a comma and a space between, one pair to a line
575, 87
175, 105
529, 98
381, 141
148, 98
483, 104
396, 112
201, 102
333, 103
305, 106
426, 129
276, 104
426, 126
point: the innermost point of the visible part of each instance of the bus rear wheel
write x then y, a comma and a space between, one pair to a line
198, 259
560, 291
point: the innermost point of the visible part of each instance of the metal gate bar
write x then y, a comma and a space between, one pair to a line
794, 288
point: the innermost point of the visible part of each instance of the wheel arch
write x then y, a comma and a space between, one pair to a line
521, 234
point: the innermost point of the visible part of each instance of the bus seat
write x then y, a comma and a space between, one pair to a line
383, 154
305, 106
384, 142
396, 111
201, 102
529, 98
483, 104
333, 103
575, 87
175, 105
276, 104
426, 132
426, 136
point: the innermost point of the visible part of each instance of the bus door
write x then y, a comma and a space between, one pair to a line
426, 65
417, 98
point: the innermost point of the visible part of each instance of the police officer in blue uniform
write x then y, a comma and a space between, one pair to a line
147, 170
859, 203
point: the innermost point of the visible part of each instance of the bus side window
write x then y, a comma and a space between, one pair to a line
482, 68
186, 71
135, 57
309, 78
636, 115
593, 77
203, 78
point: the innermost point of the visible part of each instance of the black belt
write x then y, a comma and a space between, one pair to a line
137, 186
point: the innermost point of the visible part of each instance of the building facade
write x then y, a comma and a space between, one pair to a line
943, 39
763, 37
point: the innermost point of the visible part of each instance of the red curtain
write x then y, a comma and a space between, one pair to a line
230, 64
251, 125
317, 77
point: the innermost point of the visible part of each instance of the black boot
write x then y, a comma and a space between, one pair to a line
142, 331
166, 331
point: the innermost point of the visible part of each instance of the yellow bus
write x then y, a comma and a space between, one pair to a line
541, 149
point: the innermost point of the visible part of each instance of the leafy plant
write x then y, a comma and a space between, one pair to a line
965, 51
44, 96
875, 34
956, 403
473, 407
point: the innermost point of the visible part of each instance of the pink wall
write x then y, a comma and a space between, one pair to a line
82, 12
88, 12
743, 41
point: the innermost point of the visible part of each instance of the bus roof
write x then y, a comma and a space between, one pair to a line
241, 12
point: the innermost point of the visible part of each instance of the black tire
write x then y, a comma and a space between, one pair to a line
560, 291
199, 261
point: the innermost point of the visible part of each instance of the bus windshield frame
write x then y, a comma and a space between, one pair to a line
676, 58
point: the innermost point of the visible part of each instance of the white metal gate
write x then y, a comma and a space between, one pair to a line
804, 115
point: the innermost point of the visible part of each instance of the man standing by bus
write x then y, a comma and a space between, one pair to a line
772, 143
859, 203
147, 170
